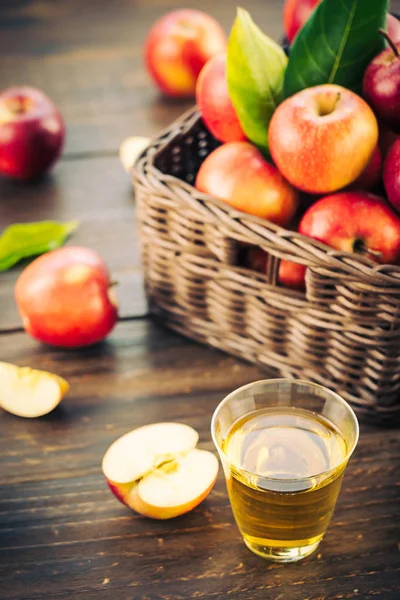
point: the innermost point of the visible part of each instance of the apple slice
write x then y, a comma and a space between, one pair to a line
131, 149
157, 471
30, 393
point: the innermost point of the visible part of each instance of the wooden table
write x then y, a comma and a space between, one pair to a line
62, 534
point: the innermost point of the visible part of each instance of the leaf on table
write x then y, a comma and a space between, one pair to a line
23, 240
336, 45
255, 69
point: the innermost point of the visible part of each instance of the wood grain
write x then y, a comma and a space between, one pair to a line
58, 519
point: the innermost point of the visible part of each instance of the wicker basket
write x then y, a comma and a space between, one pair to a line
343, 332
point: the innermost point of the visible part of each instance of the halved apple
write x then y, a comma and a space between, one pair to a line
157, 471
30, 393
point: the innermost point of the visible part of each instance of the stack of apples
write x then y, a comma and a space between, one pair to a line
331, 150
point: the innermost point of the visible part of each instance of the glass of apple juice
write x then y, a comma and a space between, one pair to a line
284, 445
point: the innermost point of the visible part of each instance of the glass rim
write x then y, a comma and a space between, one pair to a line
337, 397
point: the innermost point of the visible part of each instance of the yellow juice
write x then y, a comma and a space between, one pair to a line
276, 456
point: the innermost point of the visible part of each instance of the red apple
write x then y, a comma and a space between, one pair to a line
393, 28
214, 104
355, 222
178, 46
322, 138
386, 139
256, 259
64, 298
391, 174
238, 174
297, 12
381, 86
370, 177
31, 133
291, 275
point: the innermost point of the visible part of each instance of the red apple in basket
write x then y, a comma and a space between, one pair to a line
290, 274
238, 174
214, 103
322, 138
371, 175
177, 47
391, 174
31, 133
355, 222
381, 86
297, 12
157, 470
65, 298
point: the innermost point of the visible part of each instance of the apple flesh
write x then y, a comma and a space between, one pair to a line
178, 46
391, 175
322, 138
65, 298
355, 222
157, 471
381, 86
29, 393
31, 133
238, 174
214, 104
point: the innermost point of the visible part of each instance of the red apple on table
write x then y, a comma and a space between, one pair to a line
177, 47
355, 222
297, 12
322, 138
65, 298
391, 175
157, 470
381, 86
238, 174
31, 133
214, 104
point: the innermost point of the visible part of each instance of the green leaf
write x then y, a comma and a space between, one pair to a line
336, 45
255, 69
23, 240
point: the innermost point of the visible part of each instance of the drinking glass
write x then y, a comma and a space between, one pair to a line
284, 446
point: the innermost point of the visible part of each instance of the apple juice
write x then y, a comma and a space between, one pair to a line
277, 456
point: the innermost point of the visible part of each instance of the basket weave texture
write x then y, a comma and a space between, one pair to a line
343, 332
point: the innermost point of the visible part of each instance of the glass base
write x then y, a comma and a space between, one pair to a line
282, 554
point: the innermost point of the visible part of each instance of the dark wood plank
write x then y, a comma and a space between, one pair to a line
98, 193
61, 528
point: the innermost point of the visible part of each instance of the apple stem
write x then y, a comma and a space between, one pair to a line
389, 41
